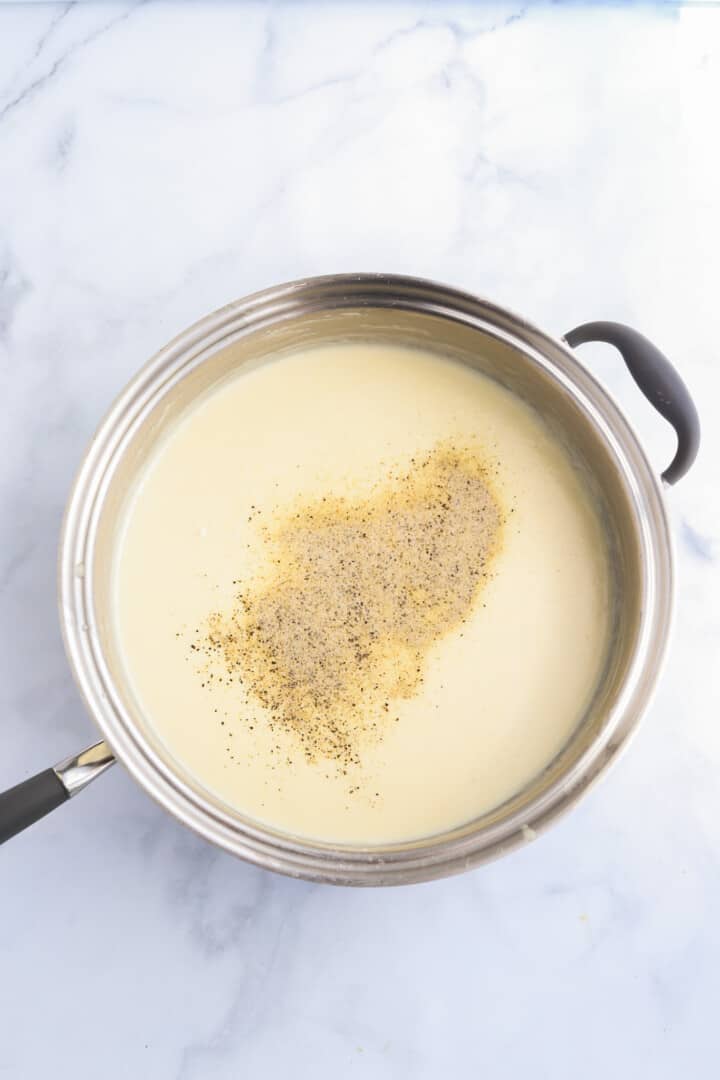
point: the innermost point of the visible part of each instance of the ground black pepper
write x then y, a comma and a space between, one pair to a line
360, 591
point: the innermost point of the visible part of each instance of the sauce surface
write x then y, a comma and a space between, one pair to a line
361, 593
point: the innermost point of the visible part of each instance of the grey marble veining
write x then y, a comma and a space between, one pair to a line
159, 159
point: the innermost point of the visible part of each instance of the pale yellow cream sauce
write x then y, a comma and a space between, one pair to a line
438, 720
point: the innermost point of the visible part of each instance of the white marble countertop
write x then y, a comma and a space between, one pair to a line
160, 159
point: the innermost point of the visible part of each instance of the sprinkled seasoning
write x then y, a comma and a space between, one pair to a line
358, 592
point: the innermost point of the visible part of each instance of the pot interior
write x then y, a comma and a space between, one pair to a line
202, 368
570, 403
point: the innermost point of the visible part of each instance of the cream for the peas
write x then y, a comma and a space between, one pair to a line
361, 593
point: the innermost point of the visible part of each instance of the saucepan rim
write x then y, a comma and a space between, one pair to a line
396, 864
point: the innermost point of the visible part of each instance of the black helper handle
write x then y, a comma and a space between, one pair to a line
31, 800
659, 382
26, 803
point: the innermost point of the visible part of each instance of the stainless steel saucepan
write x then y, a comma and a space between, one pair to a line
366, 307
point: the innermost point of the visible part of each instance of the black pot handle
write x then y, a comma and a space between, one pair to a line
28, 802
31, 800
659, 382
